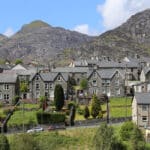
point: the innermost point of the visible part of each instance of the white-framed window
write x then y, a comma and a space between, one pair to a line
118, 91
94, 83
6, 86
94, 91
37, 86
37, 94
59, 78
144, 118
6, 96
1, 96
94, 74
144, 107
37, 77
46, 94
117, 82
50, 85
46, 85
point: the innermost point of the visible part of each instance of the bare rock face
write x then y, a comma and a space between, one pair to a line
40, 41
132, 37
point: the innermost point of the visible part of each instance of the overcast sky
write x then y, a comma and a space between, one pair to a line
91, 17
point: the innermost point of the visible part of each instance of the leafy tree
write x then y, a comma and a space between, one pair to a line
70, 89
18, 61
126, 130
95, 106
4, 144
58, 97
72, 114
15, 100
43, 102
23, 87
86, 112
84, 84
104, 139
137, 139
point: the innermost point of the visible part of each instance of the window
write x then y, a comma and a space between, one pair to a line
46, 86
94, 74
118, 91
46, 94
59, 78
37, 78
6, 86
37, 86
1, 96
50, 85
106, 82
144, 107
117, 82
144, 118
94, 83
6, 96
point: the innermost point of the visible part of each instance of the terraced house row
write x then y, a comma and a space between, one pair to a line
103, 76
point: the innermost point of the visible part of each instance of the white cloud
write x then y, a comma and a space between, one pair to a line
115, 12
85, 29
9, 32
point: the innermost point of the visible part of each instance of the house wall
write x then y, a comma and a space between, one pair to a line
97, 88
134, 111
141, 113
11, 91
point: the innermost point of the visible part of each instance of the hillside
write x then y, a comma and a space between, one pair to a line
40, 41
131, 37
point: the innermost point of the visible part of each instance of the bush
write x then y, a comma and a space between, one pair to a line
43, 117
4, 144
80, 111
6, 111
15, 100
86, 112
126, 130
72, 103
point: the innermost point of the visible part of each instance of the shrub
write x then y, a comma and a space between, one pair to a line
4, 144
43, 117
15, 100
6, 111
126, 130
86, 112
80, 111
72, 103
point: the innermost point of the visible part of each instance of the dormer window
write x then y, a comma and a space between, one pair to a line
94, 74
37, 78
59, 78
6, 86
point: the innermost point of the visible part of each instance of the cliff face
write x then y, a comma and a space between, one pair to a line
38, 40
132, 37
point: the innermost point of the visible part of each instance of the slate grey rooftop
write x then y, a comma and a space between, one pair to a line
8, 78
142, 98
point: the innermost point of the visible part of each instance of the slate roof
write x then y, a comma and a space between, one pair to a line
146, 70
50, 76
8, 78
71, 69
106, 73
142, 98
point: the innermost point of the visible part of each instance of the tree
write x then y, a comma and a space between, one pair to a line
72, 115
58, 97
18, 61
126, 130
95, 106
86, 112
43, 102
137, 139
70, 89
4, 144
84, 84
104, 139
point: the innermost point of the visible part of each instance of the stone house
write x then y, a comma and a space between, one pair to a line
43, 84
141, 109
9, 84
108, 81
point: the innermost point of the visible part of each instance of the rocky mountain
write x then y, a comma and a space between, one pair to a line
40, 41
132, 37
